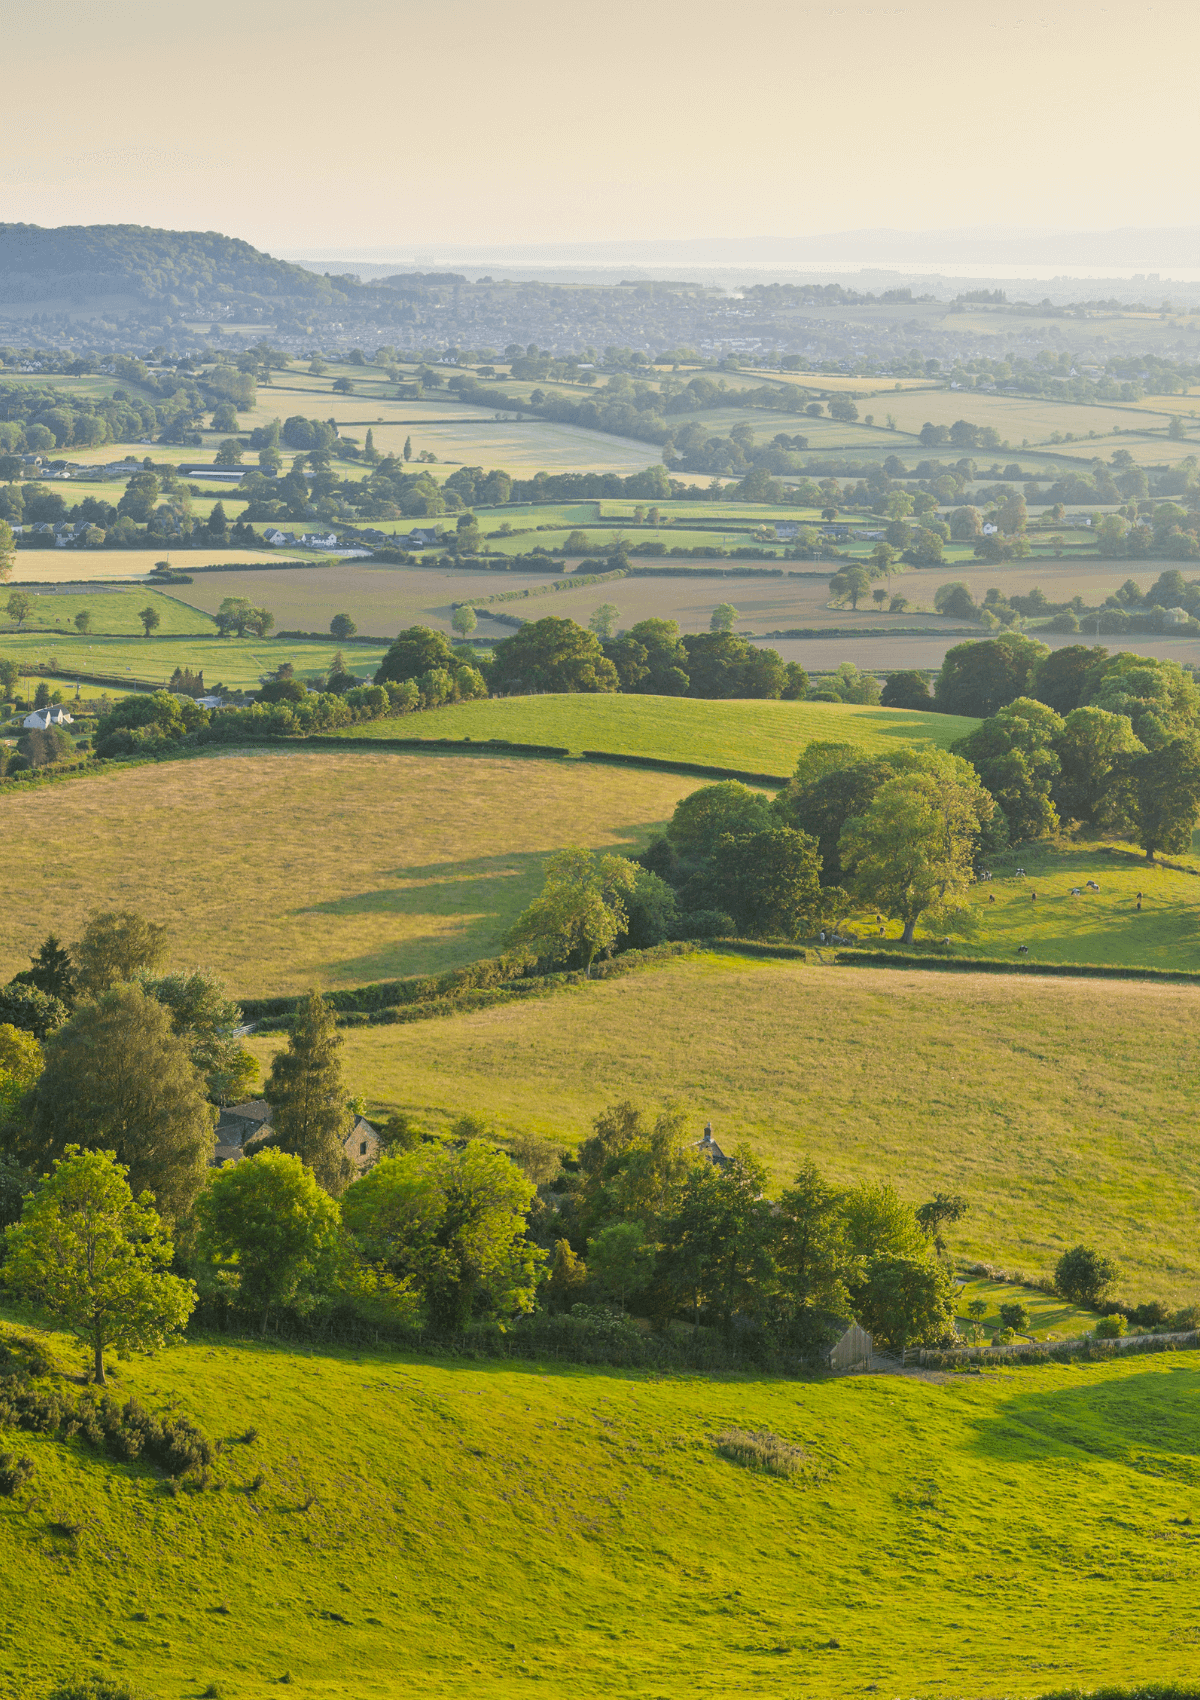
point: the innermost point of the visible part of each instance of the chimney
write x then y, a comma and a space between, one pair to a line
708, 1139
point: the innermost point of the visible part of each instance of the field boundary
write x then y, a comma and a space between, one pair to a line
503, 746
998, 965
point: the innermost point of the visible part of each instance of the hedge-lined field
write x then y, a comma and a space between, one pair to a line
766, 737
286, 869
455, 1528
1064, 1109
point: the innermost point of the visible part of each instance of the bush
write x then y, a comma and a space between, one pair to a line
92, 1688
14, 1472
1083, 1276
1111, 1327
1015, 1316
760, 1450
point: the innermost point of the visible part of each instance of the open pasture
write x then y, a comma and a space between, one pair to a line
457, 1528
1050, 1317
381, 599
1104, 926
294, 869
1063, 1109
761, 736
113, 612
240, 664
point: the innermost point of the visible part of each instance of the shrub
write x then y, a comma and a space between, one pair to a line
1186, 1319
1083, 1275
14, 1472
92, 1688
760, 1450
1111, 1327
1015, 1316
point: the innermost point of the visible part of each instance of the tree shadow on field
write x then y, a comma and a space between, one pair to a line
1146, 1422
483, 896
885, 724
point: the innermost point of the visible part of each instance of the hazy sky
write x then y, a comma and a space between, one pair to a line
379, 123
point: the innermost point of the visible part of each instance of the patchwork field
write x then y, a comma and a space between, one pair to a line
455, 1528
764, 737
1062, 1109
292, 869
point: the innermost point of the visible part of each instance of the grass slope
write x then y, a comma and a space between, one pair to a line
291, 869
1063, 1109
760, 736
493, 1529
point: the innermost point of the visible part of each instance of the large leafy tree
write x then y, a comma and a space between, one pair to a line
453, 1223
1161, 701
722, 664
1015, 755
551, 654
769, 882
97, 1258
273, 1231
707, 815
118, 1078
980, 678
116, 945
666, 660
717, 1245
812, 1250
1158, 792
1090, 746
822, 805
906, 1301
633, 1168
308, 1098
1061, 680
580, 909
207, 1018
910, 854
416, 651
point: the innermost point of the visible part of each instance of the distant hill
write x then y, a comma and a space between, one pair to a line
189, 271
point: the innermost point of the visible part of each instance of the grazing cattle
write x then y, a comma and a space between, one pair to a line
1092, 886
1076, 892
1022, 950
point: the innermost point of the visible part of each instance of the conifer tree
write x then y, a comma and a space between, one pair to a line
307, 1094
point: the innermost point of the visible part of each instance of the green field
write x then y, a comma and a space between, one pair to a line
1063, 1109
761, 736
241, 664
1050, 1318
114, 612
456, 1528
294, 869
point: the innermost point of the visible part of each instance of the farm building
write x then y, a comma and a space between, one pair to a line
241, 1126
41, 718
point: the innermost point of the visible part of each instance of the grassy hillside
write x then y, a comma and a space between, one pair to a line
453, 1529
294, 869
1063, 1109
761, 736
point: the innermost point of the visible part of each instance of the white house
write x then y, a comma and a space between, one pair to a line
41, 718
211, 702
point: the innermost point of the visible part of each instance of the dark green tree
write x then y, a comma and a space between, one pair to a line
718, 1243
117, 1078
308, 1097
1084, 1275
342, 627
51, 972
979, 679
416, 651
713, 812
725, 665
1062, 678
1160, 795
1015, 754
551, 654
769, 881
906, 689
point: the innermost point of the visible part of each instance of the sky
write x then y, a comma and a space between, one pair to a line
387, 124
